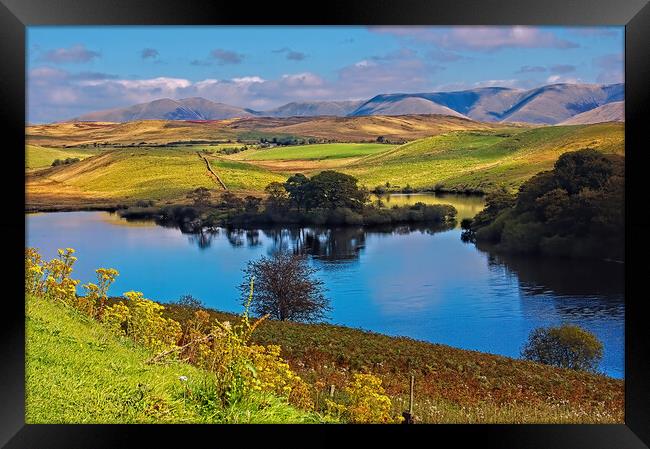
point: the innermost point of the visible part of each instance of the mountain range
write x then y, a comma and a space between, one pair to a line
548, 105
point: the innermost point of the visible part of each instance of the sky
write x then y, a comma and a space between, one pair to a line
75, 70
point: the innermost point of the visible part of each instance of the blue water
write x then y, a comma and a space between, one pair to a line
421, 283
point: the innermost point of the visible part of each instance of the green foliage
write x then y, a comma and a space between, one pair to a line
278, 197
66, 161
330, 189
327, 190
575, 210
565, 346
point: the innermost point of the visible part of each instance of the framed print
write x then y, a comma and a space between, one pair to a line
393, 218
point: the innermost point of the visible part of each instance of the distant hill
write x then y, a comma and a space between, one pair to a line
313, 108
610, 112
196, 108
546, 105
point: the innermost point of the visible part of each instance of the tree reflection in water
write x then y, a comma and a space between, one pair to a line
576, 287
338, 244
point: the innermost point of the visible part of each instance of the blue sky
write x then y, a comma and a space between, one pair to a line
73, 70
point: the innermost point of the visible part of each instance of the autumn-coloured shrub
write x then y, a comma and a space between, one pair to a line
34, 283
51, 279
96, 299
241, 368
116, 317
366, 402
146, 325
565, 346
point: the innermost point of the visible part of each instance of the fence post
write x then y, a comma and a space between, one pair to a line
408, 416
331, 391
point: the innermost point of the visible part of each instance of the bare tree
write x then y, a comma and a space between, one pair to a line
285, 288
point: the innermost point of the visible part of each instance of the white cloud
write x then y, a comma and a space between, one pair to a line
479, 38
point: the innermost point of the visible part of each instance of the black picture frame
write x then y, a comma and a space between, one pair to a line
15, 15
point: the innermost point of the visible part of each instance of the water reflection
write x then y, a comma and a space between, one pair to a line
322, 243
467, 206
576, 289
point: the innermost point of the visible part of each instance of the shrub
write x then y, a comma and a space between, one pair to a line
33, 272
240, 367
57, 282
144, 203
285, 288
366, 402
565, 346
116, 316
94, 303
146, 326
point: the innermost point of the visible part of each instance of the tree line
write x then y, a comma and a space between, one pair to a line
574, 210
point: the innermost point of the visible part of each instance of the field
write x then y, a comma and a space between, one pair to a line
77, 371
127, 175
40, 157
315, 152
483, 161
454, 160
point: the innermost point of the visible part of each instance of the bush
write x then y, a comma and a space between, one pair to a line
146, 325
95, 301
51, 279
66, 161
285, 288
241, 368
565, 346
366, 402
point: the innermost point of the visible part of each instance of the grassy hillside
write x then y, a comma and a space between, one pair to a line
79, 372
452, 385
41, 157
126, 175
481, 160
458, 160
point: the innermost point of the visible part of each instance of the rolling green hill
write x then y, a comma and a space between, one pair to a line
41, 157
478, 160
483, 160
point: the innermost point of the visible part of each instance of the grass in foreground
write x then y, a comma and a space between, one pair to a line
77, 371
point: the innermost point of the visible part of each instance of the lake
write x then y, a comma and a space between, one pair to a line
414, 281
